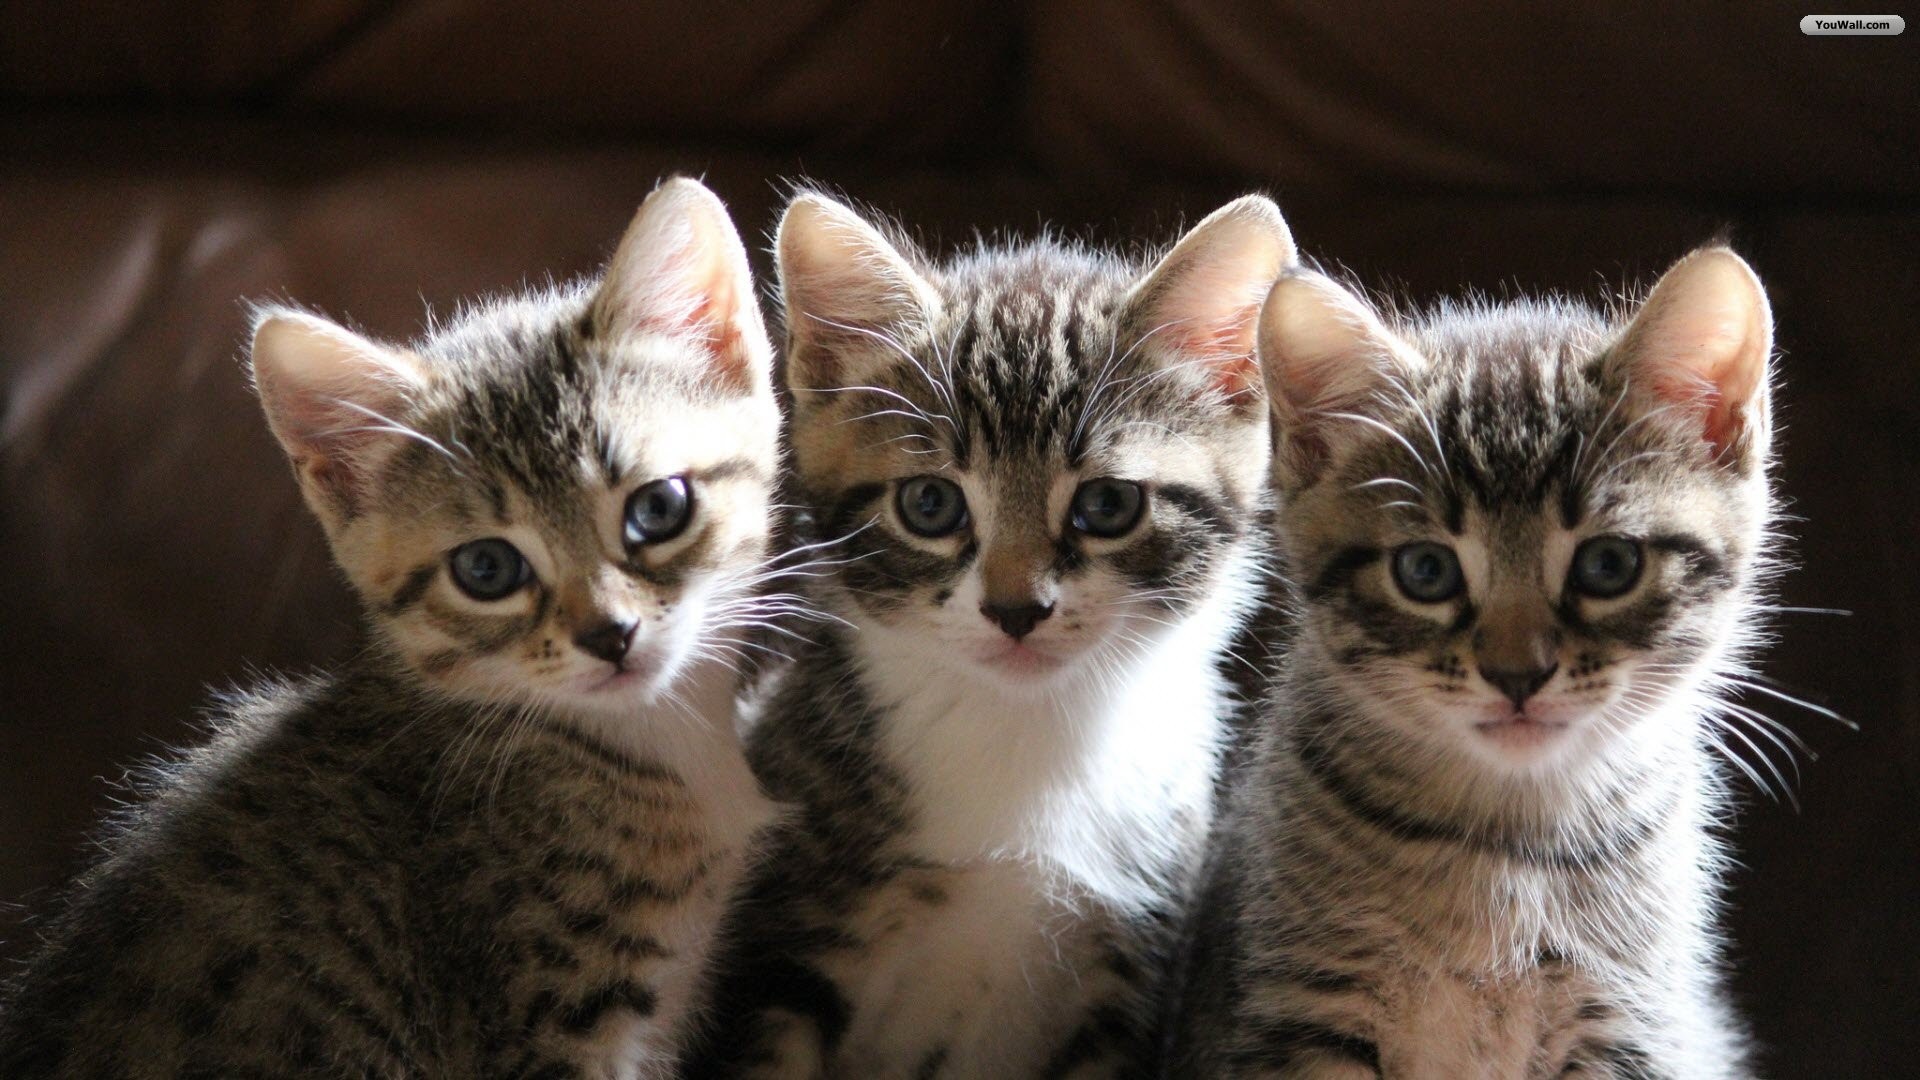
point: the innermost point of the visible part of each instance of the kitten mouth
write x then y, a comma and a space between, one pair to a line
621, 679
1520, 729
1022, 660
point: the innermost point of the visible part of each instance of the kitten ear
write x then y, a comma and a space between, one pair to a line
334, 400
1201, 304
1702, 343
1324, 353
681, 270
847, 290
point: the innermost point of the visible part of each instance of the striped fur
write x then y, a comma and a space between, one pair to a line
476, 850
998, 834
1413, 882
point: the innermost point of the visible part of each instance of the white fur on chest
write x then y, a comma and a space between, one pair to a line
1047, 817
1105, 777
989, 976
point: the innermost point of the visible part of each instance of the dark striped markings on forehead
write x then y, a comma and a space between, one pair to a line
1031, 353
1518, 414
1024, 349
529, 416
1499, 425
530, 404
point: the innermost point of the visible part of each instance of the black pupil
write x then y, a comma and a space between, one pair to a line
1608, 567
931, 506
657, 508
485, 566
658, 511
1107, 507
931, 501
488, 569
1427, 572
1428, 569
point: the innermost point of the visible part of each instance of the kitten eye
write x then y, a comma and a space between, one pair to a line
1427, 572
931, 505
1107, 507
1605, 567
490, 569
657, 511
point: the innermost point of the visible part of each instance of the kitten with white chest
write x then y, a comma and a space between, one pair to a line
1039, 467
1478, 833
499, 842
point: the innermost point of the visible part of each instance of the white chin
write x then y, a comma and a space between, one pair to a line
609, 684
642, 680
1525, 738
1520, 739
1021, 665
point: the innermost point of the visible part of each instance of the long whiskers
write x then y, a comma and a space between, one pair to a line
388, 425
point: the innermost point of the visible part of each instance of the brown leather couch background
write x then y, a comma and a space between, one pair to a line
159, 163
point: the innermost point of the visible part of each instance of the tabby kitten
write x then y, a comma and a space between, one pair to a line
497, 843
1038, 466
1478, 837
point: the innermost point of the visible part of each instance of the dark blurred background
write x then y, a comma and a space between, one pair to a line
160, 162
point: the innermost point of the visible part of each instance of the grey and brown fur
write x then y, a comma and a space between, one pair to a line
480, 848
994, 845
1411, 883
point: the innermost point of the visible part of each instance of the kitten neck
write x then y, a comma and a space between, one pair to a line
1615, 781
1057, 775
691, 729
1606, 865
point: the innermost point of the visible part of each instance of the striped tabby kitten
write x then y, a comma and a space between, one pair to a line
1040, 465
1478, 835
496, 844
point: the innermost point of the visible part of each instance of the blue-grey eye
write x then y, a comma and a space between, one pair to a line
1605, 567
1427, 572
931, 505
1107, 507
657, 512
490, 569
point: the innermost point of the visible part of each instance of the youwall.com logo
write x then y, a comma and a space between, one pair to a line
1837, 25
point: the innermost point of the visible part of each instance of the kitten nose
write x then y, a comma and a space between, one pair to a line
1518, 686
608, 641
1018, 620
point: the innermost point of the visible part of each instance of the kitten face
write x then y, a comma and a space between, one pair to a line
1521, 531
559, 499
1040, 458
629, 527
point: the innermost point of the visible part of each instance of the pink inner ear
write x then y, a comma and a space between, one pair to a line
1306, 387
329, 440
337, 419
1237, 378
1225, 345
691, 293
1717, 397
708, 314
1700, 345
1700, 396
